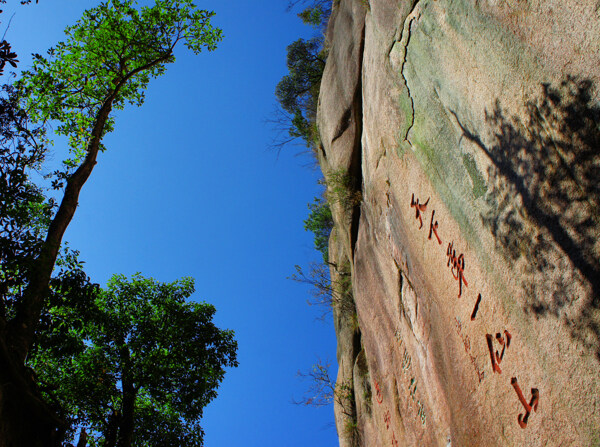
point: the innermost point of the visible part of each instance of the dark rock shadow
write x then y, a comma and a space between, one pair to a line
544, 202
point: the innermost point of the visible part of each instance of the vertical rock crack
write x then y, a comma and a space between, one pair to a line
415, 13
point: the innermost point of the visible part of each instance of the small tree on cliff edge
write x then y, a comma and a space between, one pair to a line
297, 93
106, 61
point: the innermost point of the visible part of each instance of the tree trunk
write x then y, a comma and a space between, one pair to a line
127, 422
112, 429
25, 419
128, 405
22, 327
82, 438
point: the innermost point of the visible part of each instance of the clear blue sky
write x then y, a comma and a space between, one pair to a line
187, 187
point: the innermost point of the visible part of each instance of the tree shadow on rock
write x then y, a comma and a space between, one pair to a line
543, 203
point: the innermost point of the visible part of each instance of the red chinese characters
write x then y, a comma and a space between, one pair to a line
379, 396
532, 405
387, 418
457, 266
433, 227
496, 357
495, 366
476, 308
419, 208
456, 263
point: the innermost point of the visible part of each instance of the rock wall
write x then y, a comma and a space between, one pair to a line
471, 132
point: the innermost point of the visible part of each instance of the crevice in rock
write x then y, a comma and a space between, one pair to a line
344, 124
356, 350
383, 154
404, 41
356, 343
322, 151
362, 384
355, 168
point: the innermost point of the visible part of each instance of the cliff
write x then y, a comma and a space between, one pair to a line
465, 137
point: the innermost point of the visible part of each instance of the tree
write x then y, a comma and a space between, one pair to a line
134, 364
106, 61
298, 91
316, 12
321, 387
24, 218
326, 293
320, 223
24, 211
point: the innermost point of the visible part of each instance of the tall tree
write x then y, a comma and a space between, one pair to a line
136, 363
106, 61
320, 223
24, 211
24, 219
298, 91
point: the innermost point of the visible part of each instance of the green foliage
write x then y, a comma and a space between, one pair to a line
24, 211
314, 12
110, 55
317, 13
295, 92
312, 16
140, 341
134, 364
298, 91
320, 223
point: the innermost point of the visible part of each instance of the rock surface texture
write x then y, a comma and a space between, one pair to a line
470, 131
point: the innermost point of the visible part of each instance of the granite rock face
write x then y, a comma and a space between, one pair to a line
471, 132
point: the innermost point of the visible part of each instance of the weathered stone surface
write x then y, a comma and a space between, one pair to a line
488, 112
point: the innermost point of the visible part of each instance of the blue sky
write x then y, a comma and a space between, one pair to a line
188, 187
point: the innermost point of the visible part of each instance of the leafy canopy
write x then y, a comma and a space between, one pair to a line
110, 55
320, 223
24, 211
106, 61
314, 13
137, 341
297, 92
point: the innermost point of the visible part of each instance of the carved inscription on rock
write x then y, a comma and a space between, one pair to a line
467, 344
412, 382
497, 345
